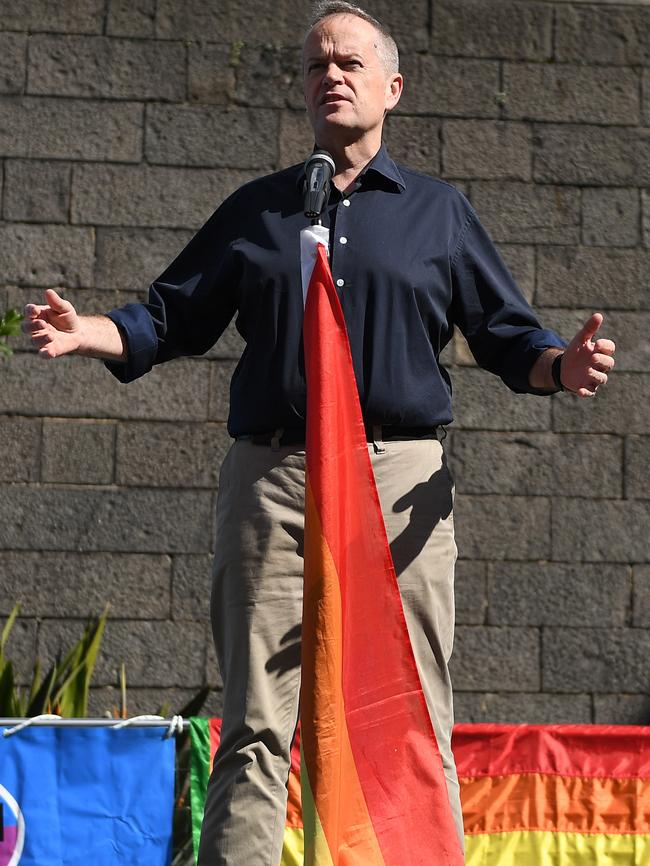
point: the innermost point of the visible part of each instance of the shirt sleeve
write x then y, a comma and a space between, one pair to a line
188, 306
503, 333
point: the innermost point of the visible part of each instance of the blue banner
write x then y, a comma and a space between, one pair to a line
86, 797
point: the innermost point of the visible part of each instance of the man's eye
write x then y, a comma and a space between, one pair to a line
315, 67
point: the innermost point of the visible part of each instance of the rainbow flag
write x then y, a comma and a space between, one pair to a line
373, 787
557, 795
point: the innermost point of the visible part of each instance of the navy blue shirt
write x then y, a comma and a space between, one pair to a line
410, 260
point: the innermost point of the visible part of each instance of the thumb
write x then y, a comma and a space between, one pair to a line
56, 302
590, 327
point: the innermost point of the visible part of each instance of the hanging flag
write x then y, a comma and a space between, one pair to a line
373, 787
554, 795
80, 796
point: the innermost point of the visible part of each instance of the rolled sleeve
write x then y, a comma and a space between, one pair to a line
136, 327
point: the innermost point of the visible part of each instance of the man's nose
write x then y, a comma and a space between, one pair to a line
333, 74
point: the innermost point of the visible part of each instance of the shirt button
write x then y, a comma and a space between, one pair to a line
346, 202
340, 283
343, 240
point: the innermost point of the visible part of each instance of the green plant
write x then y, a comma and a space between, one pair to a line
64, 689
9, 327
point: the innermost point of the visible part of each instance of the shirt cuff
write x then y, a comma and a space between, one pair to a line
137, 329
534, 345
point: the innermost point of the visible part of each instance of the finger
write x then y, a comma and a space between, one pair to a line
31, 326
607, 347
33, 311
590, 327
602, 362
58, 304
586, 392
40, 340
597, 377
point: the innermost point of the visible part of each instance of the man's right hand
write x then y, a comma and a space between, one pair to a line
56, 329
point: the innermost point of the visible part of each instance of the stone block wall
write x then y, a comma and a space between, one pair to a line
124, 124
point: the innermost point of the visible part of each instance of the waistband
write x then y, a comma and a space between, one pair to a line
374, 433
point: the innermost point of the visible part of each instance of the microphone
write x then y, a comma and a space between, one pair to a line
319, 169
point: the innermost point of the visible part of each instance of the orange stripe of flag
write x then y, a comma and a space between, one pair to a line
495, 804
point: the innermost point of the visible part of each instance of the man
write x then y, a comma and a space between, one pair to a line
410, 260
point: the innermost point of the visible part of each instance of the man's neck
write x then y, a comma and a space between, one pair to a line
351, 159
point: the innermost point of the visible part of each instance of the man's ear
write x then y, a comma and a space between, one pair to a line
394, 89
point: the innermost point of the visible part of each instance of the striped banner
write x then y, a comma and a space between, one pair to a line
557, 795
373, 787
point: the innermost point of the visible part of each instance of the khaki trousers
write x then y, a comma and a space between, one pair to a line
256, 612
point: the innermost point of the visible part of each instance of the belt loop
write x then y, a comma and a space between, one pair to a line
377, 441
275, 439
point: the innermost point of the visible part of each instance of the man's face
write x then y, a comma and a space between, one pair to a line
347, 89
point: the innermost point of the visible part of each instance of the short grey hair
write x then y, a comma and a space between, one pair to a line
386, 45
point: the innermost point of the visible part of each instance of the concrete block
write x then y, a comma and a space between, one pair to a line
296, 138
537, 464
483, 402
594, 155
610, 217
211, 73
592, 277
36, 191
122, 521
158, 653
641, 580
20, 648
113, 195
516, 708
40, 128
600, 530
67, 16
620, 407
12, 62
20, 446
637, 467
572, 94
610, 34
628, 330
46, 255
73, 387
82, 584
470, 592
268, 77
196, 135
504, 152
561, 594
220, 390
449, 86
645, 208
645, 89
528, 213
151, 454
96, 66
415, 142
133, 258
128, 18
230, 345
503, 527
144, 701
595, 659
281, 24
521, 31
495, 659
78, 452
620, 709
191, 586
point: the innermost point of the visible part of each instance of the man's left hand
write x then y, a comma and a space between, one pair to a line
587, 360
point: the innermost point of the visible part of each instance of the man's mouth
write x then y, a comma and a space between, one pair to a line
333, 97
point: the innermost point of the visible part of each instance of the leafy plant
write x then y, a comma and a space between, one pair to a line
64, 689
9, 327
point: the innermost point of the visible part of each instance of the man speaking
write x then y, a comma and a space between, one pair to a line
410, 260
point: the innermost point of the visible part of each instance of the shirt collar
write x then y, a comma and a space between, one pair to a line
381, 164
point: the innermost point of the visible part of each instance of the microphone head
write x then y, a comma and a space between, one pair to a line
319, 168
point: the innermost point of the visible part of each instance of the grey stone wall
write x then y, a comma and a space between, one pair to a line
123, 124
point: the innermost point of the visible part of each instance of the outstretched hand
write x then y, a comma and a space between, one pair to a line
54, 328
587, 360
